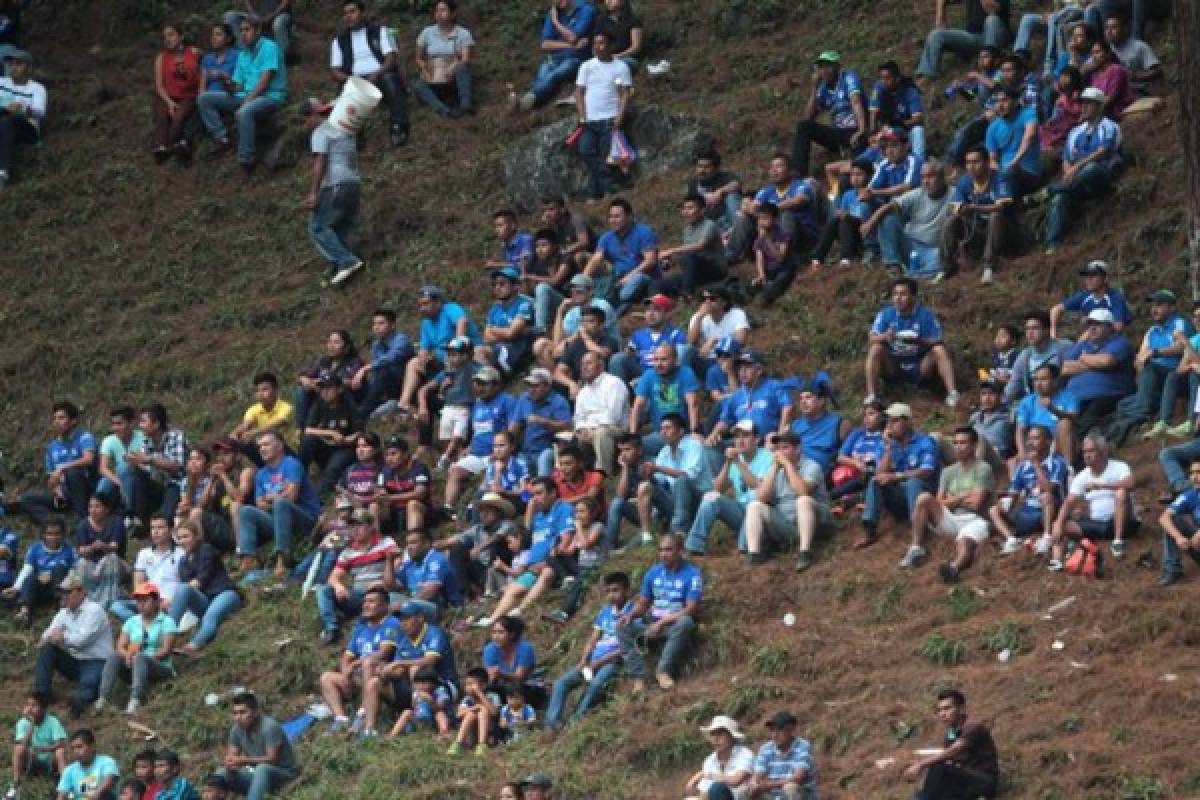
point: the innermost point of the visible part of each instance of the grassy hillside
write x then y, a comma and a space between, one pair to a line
129, 282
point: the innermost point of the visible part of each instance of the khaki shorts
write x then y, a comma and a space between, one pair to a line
453, 423
962, 525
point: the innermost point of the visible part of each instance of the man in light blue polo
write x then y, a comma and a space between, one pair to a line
909, 466
1158, 381
744, 466
257, 90
286, 506
675, 481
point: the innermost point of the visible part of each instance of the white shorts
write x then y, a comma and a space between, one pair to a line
453, 423
962, 525
476, 465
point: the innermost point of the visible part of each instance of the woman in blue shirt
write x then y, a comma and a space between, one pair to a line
509, 659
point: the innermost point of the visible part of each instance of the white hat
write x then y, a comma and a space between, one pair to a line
1093, 94
1100, 315
745, 425
724, 723
899, 410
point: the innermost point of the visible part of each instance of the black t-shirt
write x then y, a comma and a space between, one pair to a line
980, 755
407, 481
338, 417
573, 355
572, 228
976, 16
716, 181
546, 269
618, 30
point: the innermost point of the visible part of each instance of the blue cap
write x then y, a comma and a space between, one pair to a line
727, 346
409, 609
507, 272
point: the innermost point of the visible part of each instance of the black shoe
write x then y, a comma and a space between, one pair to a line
330, 635
1170, 579
949, 573
161, 154
247, 168
220, 147
399, 135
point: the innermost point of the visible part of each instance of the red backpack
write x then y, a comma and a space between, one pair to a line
1086, 560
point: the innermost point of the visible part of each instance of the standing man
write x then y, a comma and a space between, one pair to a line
366, 50
76, 644
967, 765
601, 96
258, 754
334, 193
838, 91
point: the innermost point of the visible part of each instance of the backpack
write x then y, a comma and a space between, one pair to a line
346, 46
1085, 560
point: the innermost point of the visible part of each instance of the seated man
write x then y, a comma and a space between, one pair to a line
1136, 56
366, 562
568, 317
1159, 380
47, 562
1014, 150
259, 759
721, 190
906, 344
986, 25
967, 764
90, 774
665, 389
983, 222
1180, 522
993, 423
601, 656
366, 49
541, 413
41, 744
896, 102
1091, 162
838, 91
422, 647
667, 606
441, 323
1099, 504
516, 246
820, 430
273, 17
566, 42
783, 767
372, 645
638, 355
76, 644
328, 433
259, 90
492, 411
472, 552
674, 482
601, 410
380, 378
547, 279
630, 251
426, 577
1099, 370
285, 507
1040, 349
765, 401
1096, 293
154, 472
964, 492
443, 56
799, 202
701, 256
1037, 489
912, 225
22, 109
507, 334
70, 464
1056, 410
906, 469
898, 173
717, 318
623, 506
744, 466
590, 337
790, 505
269, 413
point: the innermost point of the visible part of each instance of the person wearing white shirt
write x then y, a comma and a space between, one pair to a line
444, 61
729, 768
22, 109
76, 645
601, 409
157, 564
366, 50
716, 319
1099, 503
601, 96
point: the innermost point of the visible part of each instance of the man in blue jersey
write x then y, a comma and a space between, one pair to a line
1099, 370
70, 464
795, 197
1180, 523
421, 646
507, 339
895, 101
1096, 293
983, 220
666, 607
1091, 162
285, 508
1012, 142
839, 92
1158, 380
637, 356
540, 413
899, 172
516, 246
1051, 407
1035, 492
764, 400
441, 322
426, 577
372, 645
566, 42
820, 430
492, 411
601, 656
908, 467
906, 344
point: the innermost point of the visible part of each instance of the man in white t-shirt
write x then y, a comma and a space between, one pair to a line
22, 109
716, 319
1098, 504
157, 564
601, 96
366, 50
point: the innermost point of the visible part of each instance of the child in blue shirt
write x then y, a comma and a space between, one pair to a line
47, 562
516, 716
475, 713
431, 707
848, 217
1004, 355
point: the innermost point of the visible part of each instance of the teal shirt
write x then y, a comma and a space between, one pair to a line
762, 461
251, 64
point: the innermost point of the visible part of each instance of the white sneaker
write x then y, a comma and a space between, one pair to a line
986, 278
952, 398
515, 613
1055, 565
1011, 545
913, 558
13, 793
101, 704
132, 706
344, 274
647, 538
482, 622
1043, 545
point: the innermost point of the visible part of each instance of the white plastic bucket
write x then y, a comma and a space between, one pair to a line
358, 98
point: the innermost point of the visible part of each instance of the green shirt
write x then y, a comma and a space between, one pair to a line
957, 480
44, 735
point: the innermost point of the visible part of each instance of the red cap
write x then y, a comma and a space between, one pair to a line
661, 302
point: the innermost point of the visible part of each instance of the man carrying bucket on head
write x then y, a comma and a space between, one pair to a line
334, 189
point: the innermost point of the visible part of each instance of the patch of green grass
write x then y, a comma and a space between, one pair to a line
962, 603
1141, 787
902, 730
1011, 636
942, 651
746, 698
1072, 723
1122, 734
770, 660
680, 749
889, 605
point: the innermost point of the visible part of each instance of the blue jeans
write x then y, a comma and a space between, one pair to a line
210, 611
257, 782
285, 521
543, 461
570, 680
546, 301
85, 673
77, 484
107, 487
1172, 562
898, 249
123, 609
995, 33
429, 610
622, 296
328, 606
551, 73
678, 636
436, 96
621, 508
594, 146
1090, 181
1157, 392
1175, 461
900, 498
147, 495
211, 104
916, 140
676, 503
280, 30
332, 222
713, 507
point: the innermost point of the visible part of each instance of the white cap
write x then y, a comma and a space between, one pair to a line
724, 723
1093, 94
745, 425
1100, 315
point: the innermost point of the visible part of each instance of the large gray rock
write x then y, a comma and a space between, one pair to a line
540, 164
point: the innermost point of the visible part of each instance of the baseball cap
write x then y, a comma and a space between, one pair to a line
326, 379
1163, 296
459, 343
890, 134
19, 55
538, 779
488, 375
751, 357
745, 425
661, 302
787, 437
409, 609
829, 57
899, 410
727, 346
1100, 315
509, 273
992, 385
147, 590
225, 443
1095, 267
539, 375
433, 292
1093, 95
582, 281
312, 105
781, 719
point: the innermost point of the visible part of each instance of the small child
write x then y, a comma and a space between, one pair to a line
993, 425
848, 217
431, 704
502, 570
1004, 354
771, 245
476, 712
589, 549
516, 716
132, 789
